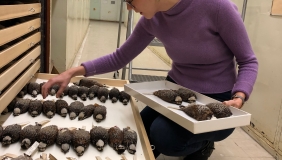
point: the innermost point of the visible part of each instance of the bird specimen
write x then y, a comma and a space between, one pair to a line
47, 136
129, 140
21, 106
198, 112
10, 134
88, 83
54, 89
64, 139
86, 112
1, 131
49, 108
114, 95
35, 108
61, 107
116, 139
10, 107
33, 89
23, 92
99, 113
74, 109
124, 97
80, 141
219, 110
83, 92
29, 134
186, 95
73, 91
65, 92
93, 92
103, 94
99, 137
169, 96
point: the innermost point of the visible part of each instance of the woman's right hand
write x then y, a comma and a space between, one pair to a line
62, 80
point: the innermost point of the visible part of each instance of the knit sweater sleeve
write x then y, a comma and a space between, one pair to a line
133, 46
232, 30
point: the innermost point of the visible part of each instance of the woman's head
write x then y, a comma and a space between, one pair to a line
148, 8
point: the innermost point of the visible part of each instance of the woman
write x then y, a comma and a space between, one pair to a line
203, 38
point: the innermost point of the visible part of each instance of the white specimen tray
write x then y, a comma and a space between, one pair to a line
143, 92
117, 115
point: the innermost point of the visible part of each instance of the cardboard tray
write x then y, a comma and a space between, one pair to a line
143, 92
117, 115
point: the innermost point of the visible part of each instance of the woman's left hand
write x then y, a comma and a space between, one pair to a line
237, 102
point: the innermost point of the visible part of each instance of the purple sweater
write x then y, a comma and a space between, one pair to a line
202, 37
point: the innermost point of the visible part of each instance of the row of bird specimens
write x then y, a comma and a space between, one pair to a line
119, 140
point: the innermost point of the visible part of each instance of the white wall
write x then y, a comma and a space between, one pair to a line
69, 23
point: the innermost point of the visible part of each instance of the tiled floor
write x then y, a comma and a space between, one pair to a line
101, 39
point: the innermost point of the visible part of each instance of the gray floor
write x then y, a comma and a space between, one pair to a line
101, 39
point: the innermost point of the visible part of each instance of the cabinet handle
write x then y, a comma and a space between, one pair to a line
32, 76
31, 28
32, 61
32, 10
31, 44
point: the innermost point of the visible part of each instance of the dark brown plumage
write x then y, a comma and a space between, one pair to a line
198, 112
35, 108
114, 95
73, 91
62, 107
124, 97
99, 137
103, 94
54, 89
33, 89
41, 84
65, 92
83, 92
129, 140
10, 107
219, 110
23, 92
93, 92
49, 108
47, 136
80, 141
21, 106
1, 131
88, 83
186, 95
11, 134
86, 112
74, 109
28, 135
99, 113
116, 139
168, 96
64, 139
